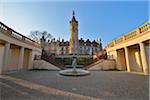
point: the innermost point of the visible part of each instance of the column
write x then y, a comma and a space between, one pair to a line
21, 58
143, 58
127, 59
6, 55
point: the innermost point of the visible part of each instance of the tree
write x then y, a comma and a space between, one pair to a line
37, 35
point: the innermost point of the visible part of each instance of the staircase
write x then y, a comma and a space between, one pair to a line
78, 66
94, 62
99, 57
103, 65
50, 58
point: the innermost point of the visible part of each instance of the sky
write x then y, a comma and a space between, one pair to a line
96, 19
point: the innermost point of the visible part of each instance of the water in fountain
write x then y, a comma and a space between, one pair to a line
74, 71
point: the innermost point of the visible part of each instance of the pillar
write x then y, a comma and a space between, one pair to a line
6, 55
143, 58
21, 58
127, 59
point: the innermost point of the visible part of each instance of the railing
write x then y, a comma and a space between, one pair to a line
111, 44
130, 35
101, 55
134, 34
144, 27
49, 58
119, 40
11, 33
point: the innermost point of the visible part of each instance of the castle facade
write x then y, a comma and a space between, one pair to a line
74, 46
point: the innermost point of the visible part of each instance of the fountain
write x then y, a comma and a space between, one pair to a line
74, 71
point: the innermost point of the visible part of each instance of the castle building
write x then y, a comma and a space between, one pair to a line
75, 45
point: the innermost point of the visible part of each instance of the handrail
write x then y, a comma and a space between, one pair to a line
49, 58
12, 33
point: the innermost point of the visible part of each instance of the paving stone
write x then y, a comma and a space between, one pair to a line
104, 85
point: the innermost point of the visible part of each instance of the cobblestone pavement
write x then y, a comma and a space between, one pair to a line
48, 85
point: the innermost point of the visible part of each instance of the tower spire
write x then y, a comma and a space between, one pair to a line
73, 13
73, 18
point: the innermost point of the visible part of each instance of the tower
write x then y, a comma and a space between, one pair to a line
74, 43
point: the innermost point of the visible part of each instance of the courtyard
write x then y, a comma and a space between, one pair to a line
72, 50
49, 85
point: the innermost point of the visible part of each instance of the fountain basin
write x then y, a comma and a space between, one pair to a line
71, 72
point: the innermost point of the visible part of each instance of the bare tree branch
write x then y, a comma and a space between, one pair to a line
37, 35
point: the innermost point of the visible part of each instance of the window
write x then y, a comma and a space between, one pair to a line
96, 49
62, 48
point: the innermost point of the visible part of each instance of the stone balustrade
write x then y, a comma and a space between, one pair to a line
131, 35
15, 35
144, 27
111, 44
119, 40
11, 33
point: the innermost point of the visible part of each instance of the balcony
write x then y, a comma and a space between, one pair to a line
15, 35
131, 35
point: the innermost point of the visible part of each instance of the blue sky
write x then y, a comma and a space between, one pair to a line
97, 19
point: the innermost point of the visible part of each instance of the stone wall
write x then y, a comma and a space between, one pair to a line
104, 65
41, 64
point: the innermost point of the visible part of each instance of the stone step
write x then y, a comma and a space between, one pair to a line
70, 66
